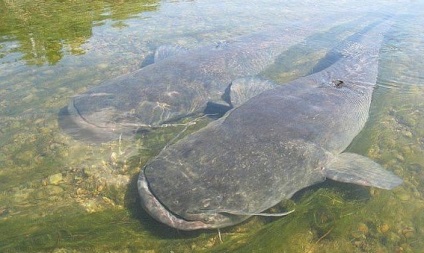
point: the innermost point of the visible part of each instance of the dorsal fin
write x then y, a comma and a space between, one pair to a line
243, 89
166, 51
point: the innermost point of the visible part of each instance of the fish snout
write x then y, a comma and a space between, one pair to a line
160, 213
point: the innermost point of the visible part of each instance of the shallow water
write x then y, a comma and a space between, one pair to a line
64, 195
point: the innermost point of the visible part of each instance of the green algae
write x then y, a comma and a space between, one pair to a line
327, 220
110, 230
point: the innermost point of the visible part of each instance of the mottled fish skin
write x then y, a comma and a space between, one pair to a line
177, 84
269, 147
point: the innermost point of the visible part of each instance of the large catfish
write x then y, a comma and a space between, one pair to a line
179, 83
271, 146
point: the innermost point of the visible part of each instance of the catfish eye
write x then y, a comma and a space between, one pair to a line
338, 83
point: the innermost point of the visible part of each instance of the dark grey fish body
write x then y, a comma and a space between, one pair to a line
179, 83
270, 147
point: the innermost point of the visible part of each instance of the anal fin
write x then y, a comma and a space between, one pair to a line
260, 214
166, 51
234, 212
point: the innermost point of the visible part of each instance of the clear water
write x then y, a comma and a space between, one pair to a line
63, 195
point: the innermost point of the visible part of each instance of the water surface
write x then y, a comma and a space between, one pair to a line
60, 194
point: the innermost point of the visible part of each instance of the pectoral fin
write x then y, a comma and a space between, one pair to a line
357, 169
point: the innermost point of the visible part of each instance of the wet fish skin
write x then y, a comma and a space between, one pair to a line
271, 146
177, 84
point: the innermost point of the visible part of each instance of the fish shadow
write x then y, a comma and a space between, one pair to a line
350, 192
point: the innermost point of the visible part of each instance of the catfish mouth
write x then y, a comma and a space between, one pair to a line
159, 212
75, 125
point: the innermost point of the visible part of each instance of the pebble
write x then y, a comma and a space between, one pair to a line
407, 134
54, 190
55, 178
102, 66
393, 237
357, 235
384, 228
114, 157
81, 191
89, 172
363, 228
408, 232
403, 196
100, 188
400, 157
